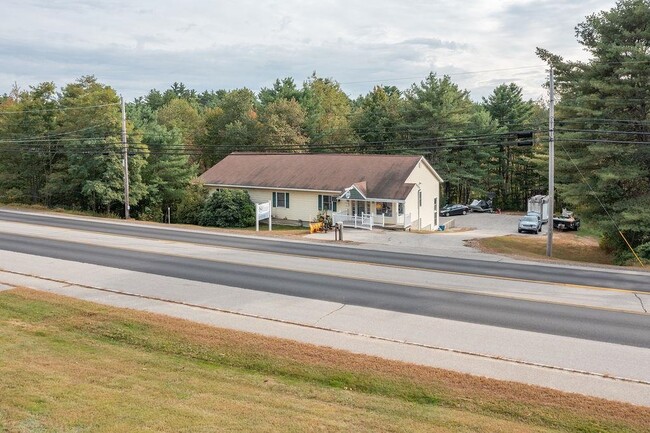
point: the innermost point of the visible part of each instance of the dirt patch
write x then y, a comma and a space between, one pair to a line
458, 230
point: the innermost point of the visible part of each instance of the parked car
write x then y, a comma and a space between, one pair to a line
454, 209
566, 221
535, 214
481, 206
530, 223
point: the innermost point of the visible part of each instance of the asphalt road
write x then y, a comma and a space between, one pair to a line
546, 273
584, 323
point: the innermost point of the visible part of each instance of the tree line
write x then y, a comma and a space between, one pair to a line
61, 147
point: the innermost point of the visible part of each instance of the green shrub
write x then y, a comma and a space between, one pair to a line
643, 250
191, 205
228, 208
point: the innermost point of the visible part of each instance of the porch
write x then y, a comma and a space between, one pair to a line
366, 214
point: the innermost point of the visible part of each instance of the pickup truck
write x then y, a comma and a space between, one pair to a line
566, 221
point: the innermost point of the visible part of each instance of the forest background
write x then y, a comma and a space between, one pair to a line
61, 147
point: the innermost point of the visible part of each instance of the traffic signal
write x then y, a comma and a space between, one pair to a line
523, 138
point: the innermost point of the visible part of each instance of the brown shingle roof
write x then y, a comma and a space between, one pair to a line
384, 175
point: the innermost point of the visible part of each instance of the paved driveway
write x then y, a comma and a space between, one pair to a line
443, 243
486, 225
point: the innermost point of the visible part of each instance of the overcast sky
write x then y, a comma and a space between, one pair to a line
135, 46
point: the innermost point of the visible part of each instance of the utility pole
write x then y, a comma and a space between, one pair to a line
125, 162
551, 165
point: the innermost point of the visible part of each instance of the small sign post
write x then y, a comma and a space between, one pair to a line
262, 211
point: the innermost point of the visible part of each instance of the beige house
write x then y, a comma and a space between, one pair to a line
359, 190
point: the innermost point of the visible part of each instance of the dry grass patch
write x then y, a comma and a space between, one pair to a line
69, 365
566, 246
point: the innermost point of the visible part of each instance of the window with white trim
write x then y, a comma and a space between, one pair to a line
384, 208
326, 202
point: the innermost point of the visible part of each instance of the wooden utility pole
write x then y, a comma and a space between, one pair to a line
125, 162
551, 165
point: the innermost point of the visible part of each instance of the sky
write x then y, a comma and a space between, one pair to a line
134, 46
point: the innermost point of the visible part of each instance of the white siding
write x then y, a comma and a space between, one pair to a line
302, 205
430, 189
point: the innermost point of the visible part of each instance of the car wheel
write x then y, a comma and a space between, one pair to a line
464, 212
519, 231
446, 214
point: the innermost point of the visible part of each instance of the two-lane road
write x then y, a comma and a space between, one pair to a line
543, 317
545, 273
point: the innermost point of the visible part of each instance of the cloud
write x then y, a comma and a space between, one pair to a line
435, 43
223, 45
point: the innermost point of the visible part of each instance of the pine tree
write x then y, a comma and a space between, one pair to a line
603, 124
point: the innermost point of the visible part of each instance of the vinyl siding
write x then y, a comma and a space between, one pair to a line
430, 190
302, 205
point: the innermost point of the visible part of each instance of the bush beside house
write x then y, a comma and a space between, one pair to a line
228, 208
191, 205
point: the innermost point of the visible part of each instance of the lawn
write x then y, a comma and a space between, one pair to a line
73, 366
566, 246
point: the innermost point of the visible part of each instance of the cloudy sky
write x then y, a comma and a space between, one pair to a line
134, 46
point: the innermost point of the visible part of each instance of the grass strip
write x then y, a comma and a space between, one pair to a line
69, 365
566, 246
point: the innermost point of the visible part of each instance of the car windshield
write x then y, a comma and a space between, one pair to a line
530, 218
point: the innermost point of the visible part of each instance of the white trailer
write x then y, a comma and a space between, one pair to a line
539, 204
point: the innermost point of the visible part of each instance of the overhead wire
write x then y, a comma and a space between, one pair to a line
47, 110
586, 182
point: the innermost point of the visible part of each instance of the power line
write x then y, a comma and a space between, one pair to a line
346, 145
603, 141
54, 140
602, 120
260, 148
584, 180
83, 107
602, 131
449, 75
54, 134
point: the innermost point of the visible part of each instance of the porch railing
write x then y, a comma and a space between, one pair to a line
368, 220
407, 220
404, 220
363, 221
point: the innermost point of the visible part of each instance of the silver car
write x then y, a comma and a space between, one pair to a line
530, 223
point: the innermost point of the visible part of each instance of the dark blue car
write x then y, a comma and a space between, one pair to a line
454, 209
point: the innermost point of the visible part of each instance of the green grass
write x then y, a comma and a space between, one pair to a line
68, 365
566, 246
264, 229
588, 229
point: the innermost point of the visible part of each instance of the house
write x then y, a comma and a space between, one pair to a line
401, 191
